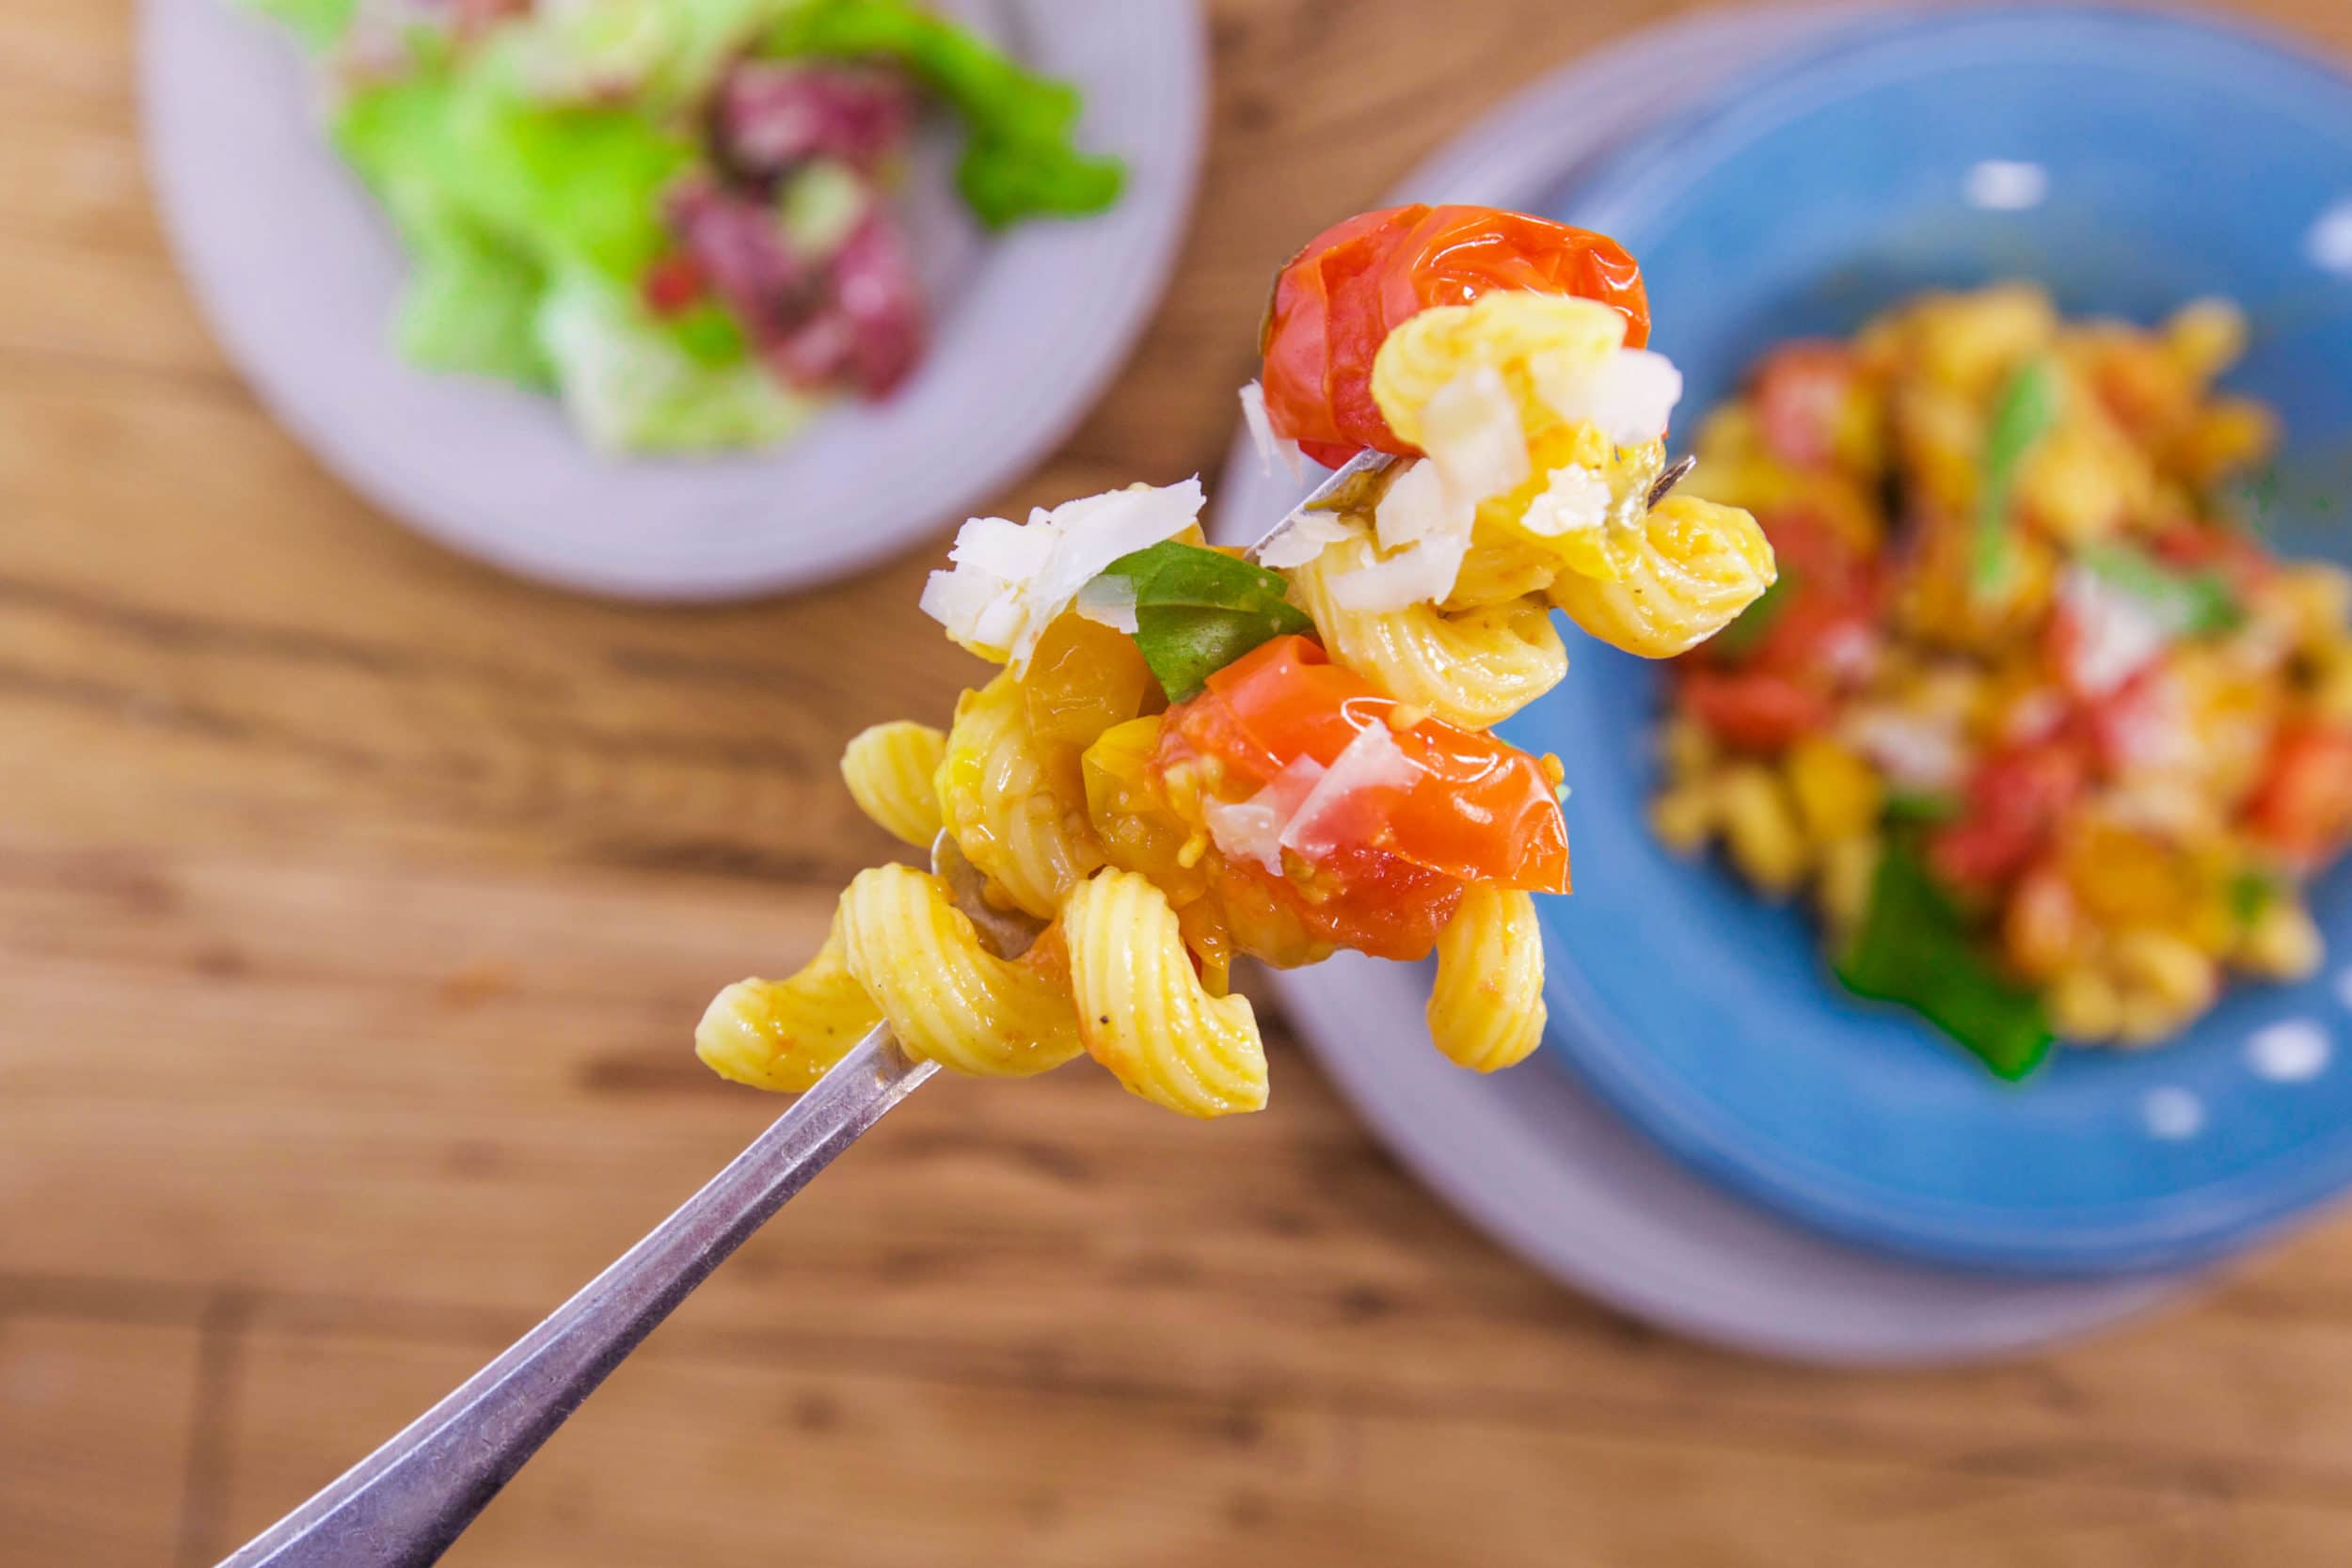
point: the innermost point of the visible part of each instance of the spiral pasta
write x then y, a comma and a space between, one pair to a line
1486, 1009
784, 1035
946, 997
998, 795
1142, 1011
1690, 572
1474, 668
893, 774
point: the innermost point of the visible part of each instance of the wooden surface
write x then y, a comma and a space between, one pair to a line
356, 906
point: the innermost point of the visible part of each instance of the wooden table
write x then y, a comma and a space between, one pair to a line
356, 906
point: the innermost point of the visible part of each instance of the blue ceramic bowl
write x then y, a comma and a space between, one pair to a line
2130, 162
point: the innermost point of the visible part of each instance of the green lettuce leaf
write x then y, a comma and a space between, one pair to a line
633, 387
1913, 948
1198, 611
1019, 160
2028, 406
471, 307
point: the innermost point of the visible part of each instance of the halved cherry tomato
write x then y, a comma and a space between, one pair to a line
1758, 709
1336, 301
2303, 805
1800, 392
2014, 802
1477, 810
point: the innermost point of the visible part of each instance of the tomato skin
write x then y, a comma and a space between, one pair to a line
1757, 709
673, 285
1336, 300
1801, 391
1478, 810
2303, 805
2014, 802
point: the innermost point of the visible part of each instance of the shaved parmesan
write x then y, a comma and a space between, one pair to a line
1416, 507
1108, 600
1303, 540
1372, 760
1252, 830
1269, 445
1011, 580
1575, 501
1471, 430
1417, 574
2116, 632
1629, 397
1916, 750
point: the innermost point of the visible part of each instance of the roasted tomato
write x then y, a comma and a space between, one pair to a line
1767, 682
2303, 805
1336, 301
2014, 802
1801, 392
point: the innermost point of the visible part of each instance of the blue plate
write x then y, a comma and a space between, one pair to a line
2131, 161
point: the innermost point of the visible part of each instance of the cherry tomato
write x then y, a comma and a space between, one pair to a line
1757, 710
2014, 802
1336, 301
1801, 393
2303, 805
1477, 810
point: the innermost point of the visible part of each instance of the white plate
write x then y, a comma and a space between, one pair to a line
298, 273
1531, 1156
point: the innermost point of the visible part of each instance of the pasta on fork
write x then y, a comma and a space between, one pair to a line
1189, 757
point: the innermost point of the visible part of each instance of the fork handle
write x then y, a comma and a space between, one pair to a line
405, 1504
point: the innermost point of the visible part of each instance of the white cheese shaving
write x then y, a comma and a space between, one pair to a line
1108, 601
1011, 580
1270, 446
1420, 573
1416, 506
1471, 430
1575, 501
1252, 830
1303, 540
1629, 396
1916, 751
2116, 632
1372, 760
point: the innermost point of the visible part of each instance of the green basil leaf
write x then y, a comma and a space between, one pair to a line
1197, 610
1747, 632
2186, 604
1913, 948
2028, 406
1916, 805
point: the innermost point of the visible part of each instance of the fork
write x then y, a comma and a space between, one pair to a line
407, 1502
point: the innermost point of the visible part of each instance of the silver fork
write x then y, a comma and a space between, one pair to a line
406, 1504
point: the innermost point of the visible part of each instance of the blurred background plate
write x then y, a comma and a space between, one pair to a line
2146, 160
297, 274
1534, 1157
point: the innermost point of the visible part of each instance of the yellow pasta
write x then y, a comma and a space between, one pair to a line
1143, 1012
999, 796
893, 774
784, 1035
1510, 332
1690, 572
947, 998
1474, 668
1486, 1009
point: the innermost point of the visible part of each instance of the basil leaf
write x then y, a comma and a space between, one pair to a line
1747, 632
2028, 406
1918, 805
2186, 604
2252, 893
1197, 610
1913, 948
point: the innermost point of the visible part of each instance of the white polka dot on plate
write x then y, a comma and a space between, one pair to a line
2294, 1051
2172, 1112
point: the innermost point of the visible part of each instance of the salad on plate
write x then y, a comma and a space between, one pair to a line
677, 215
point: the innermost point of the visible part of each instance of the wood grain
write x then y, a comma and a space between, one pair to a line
355, 905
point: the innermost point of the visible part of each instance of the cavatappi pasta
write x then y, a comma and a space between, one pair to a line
2036, 720
1188, 757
